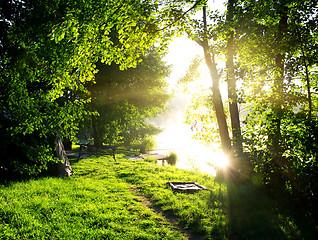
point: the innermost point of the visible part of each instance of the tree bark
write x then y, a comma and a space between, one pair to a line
217, 98
278, 92
303, 52
308, 90
307, 82
231, 86
97, 139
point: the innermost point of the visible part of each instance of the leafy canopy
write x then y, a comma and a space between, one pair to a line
49, 50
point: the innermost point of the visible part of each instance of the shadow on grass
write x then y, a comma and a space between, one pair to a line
255, 215
251, 213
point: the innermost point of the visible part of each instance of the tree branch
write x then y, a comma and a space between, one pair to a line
185, 13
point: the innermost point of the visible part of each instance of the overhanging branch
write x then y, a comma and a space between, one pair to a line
180, 17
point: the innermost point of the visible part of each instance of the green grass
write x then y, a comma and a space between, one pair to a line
82, 207
102, 201
203, 212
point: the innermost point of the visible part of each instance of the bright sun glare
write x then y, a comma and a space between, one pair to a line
220, 160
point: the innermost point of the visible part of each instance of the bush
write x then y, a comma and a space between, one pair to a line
294, 171
144, 145
25, 156
172, 158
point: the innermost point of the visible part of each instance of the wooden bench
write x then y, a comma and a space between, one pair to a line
92, 149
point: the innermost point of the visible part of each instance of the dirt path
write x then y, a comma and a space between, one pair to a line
146, 202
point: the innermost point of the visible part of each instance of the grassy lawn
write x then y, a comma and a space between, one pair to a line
103, 201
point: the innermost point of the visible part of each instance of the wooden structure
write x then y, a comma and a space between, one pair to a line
94, 150
63, 167
190, 187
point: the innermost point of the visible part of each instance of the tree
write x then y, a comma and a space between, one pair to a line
126, 99
269, 49
209, 56
210, 39
274, 48
278, 71
231, 81
49, 50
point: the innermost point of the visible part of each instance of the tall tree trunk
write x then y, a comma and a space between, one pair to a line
218, 103
303, 52
275, 133
308, 89
307, 82
217, 98
231, 86
97, 139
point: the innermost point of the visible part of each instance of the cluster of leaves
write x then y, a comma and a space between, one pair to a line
297, 167
201, 117
49, 50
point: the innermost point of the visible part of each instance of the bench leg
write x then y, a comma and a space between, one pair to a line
114, 156
80, 151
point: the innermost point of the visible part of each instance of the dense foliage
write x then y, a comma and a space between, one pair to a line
49, 50
279, 81
126, 100
275, 63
